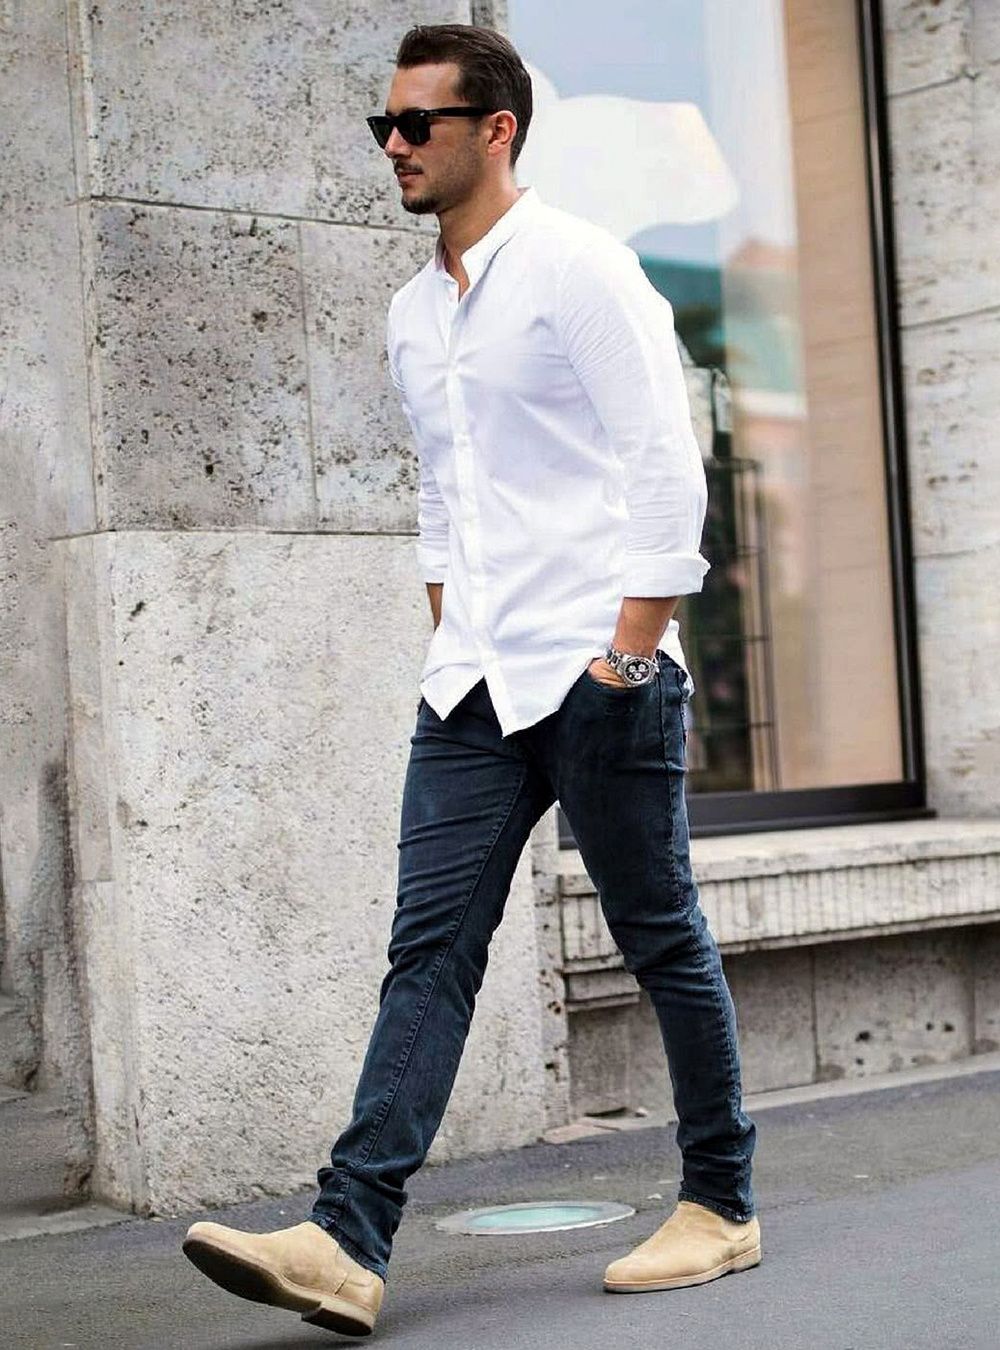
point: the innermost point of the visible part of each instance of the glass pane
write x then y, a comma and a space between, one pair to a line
724, 141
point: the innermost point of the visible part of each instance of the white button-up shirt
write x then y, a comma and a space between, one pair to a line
559, 470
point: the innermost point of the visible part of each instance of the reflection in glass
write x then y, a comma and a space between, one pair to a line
729, 152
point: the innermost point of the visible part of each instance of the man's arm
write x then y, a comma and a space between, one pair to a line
620, 341
641, 621
432, 515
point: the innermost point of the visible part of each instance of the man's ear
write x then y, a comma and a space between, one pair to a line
502, 133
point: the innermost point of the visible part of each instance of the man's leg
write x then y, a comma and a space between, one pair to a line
469, 804
616, 757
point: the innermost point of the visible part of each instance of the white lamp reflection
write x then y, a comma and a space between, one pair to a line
624, 163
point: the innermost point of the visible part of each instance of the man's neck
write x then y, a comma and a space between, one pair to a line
465, 224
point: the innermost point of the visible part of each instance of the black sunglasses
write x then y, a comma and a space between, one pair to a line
414, 125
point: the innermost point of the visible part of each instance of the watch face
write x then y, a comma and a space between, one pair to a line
636, 669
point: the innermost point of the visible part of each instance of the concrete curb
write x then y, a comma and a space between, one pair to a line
65, 1221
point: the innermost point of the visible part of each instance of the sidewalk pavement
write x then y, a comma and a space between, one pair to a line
881, 1227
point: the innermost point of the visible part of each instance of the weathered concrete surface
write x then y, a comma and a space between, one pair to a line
45, 491
932, 41
649, 1079
366, 469
490, 13
33, 1129
927, 41
202, 365
986, 991
196, 328
985, 31
953, 405
545, 854
950, 373
599, 1054
773, 993
257, 694
804, 886
833, 1011
960, 633
946, 193
892, 1003
774, 1002
945, 130
258, 108
18, 1053
809, 1007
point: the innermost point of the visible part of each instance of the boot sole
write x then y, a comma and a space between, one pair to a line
743, 1262
238, 1274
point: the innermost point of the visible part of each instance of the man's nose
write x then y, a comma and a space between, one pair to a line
395, 145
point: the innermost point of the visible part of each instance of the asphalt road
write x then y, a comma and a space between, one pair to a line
881, 1228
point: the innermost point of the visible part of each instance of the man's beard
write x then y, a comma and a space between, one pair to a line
420, 206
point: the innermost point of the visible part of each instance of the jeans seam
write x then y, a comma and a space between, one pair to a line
671, 793
675, 792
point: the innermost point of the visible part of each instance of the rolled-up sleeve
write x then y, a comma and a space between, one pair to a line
619, 336
432, 525
432, 514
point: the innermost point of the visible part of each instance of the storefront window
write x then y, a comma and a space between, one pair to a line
726, 142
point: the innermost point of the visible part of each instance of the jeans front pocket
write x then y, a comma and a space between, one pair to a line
619, 698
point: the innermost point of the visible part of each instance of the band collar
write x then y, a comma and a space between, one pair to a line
478, 256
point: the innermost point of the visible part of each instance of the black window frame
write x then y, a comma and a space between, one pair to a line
716, 813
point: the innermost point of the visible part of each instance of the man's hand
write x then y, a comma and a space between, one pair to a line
641, 622
604, 674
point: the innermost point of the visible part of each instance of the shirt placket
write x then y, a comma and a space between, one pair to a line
465, 477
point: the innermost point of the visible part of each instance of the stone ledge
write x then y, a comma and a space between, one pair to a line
797, 887
65, 1221
587, 1127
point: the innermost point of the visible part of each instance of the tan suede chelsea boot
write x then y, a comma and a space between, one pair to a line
300, 1268
695, 1245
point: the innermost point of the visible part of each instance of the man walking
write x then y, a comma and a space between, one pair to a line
560, 511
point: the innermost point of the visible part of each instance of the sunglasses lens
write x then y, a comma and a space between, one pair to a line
381, 129
414, 127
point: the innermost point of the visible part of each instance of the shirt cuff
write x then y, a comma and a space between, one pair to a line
432, 563
659, 577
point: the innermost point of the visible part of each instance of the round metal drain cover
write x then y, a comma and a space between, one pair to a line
535, 1216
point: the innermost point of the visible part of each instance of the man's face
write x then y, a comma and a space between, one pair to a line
448, 168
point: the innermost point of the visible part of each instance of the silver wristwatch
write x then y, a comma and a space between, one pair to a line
634, 670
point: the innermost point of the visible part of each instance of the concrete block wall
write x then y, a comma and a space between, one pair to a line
943, 59
835, 1010
215, 617
850, 951
238, 885
45, 494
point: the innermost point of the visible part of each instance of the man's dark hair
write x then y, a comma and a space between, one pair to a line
492, 75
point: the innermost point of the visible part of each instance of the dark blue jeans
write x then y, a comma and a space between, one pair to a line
614, 758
